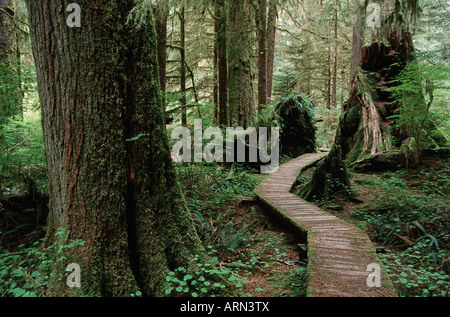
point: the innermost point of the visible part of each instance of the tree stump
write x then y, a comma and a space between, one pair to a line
298, 132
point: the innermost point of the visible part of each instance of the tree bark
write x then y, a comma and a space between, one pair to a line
99, 88
358, 34
366, 126
335, 59
161, 16
262, 53
222, 62
241, 102
183, 66
216, 70
10, 100
271, 37
7, 32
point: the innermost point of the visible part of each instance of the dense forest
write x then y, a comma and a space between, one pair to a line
134, 133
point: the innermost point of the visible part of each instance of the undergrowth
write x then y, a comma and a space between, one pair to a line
242, 246
27, 271
409, 214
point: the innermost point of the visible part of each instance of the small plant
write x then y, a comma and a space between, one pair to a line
26, 272
207, 280
416, 273
410, 214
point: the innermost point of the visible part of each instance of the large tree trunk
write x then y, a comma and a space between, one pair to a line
366, 127
99, 87
241, 101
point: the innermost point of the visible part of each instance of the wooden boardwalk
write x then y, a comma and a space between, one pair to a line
339, 254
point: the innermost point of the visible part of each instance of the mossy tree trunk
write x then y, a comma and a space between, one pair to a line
222, 60
330, 178
161, 17
262, 53
182, 17
12, 96
99, 87
366, 127
241, 96
271, 39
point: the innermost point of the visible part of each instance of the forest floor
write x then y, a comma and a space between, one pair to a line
405, 212
406, 215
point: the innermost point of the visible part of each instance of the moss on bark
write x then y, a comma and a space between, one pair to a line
121, 197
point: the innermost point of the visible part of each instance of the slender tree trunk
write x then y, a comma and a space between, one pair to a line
183, 66
271, 37
262, 54
241, 102
161, 16
328, 79
216, 70
7, 32
10, 100
222, 62
119, 196
335, 59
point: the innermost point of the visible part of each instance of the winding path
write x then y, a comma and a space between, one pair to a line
339, 254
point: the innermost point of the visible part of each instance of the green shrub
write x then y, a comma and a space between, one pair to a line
206, 280
27, 271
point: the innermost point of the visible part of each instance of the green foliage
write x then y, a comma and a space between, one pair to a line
294, 283
207, 280
21, 138
266, 118
403, 210
417, 87
327, 123
412, 207
27, 271
207, 190
299, 100
15, 79
22, 153
237, 246
416, 273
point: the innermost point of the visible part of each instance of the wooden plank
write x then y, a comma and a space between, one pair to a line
338, 253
